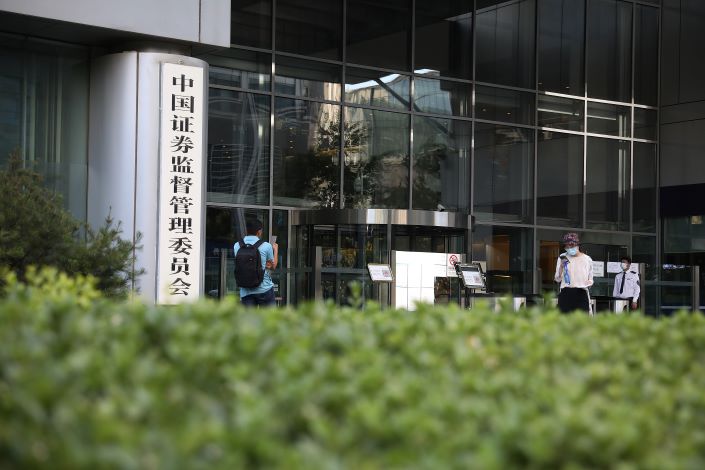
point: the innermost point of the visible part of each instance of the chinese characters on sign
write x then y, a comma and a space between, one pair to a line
180, 184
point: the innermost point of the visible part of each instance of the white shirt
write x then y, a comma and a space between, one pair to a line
579, 270
631, 285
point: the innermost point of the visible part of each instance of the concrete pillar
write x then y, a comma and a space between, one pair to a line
125, 122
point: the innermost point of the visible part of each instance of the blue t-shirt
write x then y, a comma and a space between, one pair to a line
266, 253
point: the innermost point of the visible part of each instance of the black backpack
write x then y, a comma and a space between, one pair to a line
249, 272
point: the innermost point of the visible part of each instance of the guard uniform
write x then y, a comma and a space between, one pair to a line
627, 286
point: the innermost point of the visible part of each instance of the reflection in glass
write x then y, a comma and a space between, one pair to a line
224, 227
441, 164
610, 119
608, 178
372, 88
238, 147
280, 229
561, 113
307, 78
44, 115
509, 257
240, 69
442, 97
310, 28
251, 23
306, 155
376, 158
379, 33
498, 104
644, 193
646, 55
503, 179
444, 37
645, 124
609, 48
505, 42
561, 46
559, 186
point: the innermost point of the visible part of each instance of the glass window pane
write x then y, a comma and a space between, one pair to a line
280, 229
645, 124
376, 157
44, 114
444, 37
504, 173
240, 69
610, 119
561, 113
310, 28
646, 55
223, 228
442, 97
608, 177
498, 104
307, 78
561, 46
559, 186
644, 193
609, 48
644, 251
238, 147
441, 164
251, 23
306, 162
505, 42
373, 88
379, 33
509, 257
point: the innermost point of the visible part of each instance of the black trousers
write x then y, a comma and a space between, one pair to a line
573, 298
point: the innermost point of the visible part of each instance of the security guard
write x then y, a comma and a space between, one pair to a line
626, 283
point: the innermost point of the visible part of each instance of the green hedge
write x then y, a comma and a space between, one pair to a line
89, 383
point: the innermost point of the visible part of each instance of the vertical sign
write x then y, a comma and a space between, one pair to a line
180, 184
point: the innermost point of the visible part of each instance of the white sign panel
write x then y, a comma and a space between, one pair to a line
380, 272
598, 269
451, 260
614, 267
180, 184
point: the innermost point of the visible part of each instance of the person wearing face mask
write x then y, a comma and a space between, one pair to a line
574, 272
626, 283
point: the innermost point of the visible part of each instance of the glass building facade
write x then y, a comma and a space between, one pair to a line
530, 117
44, 113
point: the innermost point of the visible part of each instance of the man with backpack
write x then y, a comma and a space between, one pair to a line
253, 260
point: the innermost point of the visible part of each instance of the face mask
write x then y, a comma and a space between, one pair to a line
572, 251
625, 266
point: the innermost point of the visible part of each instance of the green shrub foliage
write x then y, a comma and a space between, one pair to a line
91, 383
35, 230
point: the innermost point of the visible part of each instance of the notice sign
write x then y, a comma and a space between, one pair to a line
614, 267
451, 260
180, 184
598, 269
471, 276
380, 272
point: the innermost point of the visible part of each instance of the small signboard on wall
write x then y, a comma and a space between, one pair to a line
598, 269
380, 272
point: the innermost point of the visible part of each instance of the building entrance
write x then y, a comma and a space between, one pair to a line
331, 251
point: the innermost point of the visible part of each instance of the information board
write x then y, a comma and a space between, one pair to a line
380, 272
471, 275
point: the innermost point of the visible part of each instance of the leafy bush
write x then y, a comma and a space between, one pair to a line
35, 230
86, 382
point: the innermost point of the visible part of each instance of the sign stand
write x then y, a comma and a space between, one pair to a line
381, 274
471, 278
